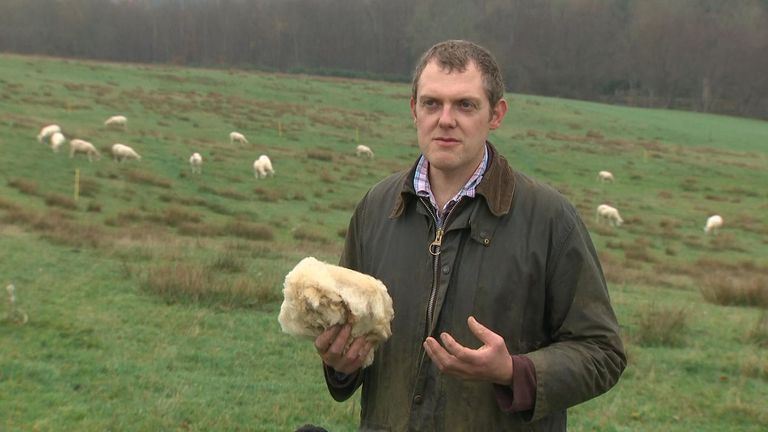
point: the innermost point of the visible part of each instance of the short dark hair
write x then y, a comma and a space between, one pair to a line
456, 55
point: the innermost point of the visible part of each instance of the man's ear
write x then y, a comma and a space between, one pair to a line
499, 111
413, 108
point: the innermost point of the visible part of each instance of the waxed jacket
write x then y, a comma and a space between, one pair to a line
518, 258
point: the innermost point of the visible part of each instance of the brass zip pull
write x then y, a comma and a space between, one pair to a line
434, 247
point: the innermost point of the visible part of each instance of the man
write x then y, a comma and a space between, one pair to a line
502, 315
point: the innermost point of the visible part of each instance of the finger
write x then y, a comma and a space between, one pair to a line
355, 356
486, 336
324, 339
355, 349
436, 352
340, 342
456, 349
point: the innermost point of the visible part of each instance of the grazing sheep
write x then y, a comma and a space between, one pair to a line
237, 137
714, 223
363, 150
605, 176
117, 120
318, 295
81, 146
47, 131
121, 152
196, 163
262, 167
57, 140
609, 214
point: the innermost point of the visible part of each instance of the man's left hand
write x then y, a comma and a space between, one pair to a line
491, 362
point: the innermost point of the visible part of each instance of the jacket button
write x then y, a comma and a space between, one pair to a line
418, 399
446, 269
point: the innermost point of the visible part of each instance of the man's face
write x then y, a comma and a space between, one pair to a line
453, 118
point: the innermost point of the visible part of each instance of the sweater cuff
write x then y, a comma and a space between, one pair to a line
519, 397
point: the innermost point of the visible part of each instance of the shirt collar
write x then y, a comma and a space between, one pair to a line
424, 189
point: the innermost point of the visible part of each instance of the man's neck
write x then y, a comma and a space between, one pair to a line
446, 185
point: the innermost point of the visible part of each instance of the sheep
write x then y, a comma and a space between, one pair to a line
318, 295
117, 120
81, 146
57, 140
714, 223
47, 131
121, 152
196, 163
605, 176
262, 167
237, 137
363, 150
610, 214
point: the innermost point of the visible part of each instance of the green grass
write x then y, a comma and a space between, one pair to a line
117, 339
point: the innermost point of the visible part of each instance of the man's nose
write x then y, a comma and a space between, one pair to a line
447, 117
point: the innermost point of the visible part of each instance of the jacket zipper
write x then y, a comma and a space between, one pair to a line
434, 250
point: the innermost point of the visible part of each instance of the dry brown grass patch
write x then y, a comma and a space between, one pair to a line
190, 283
61, 201
735, 289
661, 326
268, 195
25, 186
249, 230
759, 334
8, 205
311, 234
321, 155
140, 177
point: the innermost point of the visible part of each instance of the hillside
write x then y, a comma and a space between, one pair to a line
152, 293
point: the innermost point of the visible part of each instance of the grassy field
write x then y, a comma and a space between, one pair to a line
150, 302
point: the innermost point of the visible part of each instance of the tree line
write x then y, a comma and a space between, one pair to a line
704, 55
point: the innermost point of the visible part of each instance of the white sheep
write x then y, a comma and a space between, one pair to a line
57, 140
714, 223
82, 146
237, 137
196, 163
116, 120
47, 131
262, 167
318, 295
364, 150
609, 214
121, 152
605, 176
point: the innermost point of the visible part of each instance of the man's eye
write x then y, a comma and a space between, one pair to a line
467, 105
428, 103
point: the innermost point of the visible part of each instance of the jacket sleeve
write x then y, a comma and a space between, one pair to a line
585, 357
343, 389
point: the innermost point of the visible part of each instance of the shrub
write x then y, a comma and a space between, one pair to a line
189, 283
736, 289
140, 177
56, 200
228, 263
661, 326
248, 230
25, 186
309, 234
759, 333
321, 155
178, 282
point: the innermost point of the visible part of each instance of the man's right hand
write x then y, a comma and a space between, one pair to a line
331, 344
